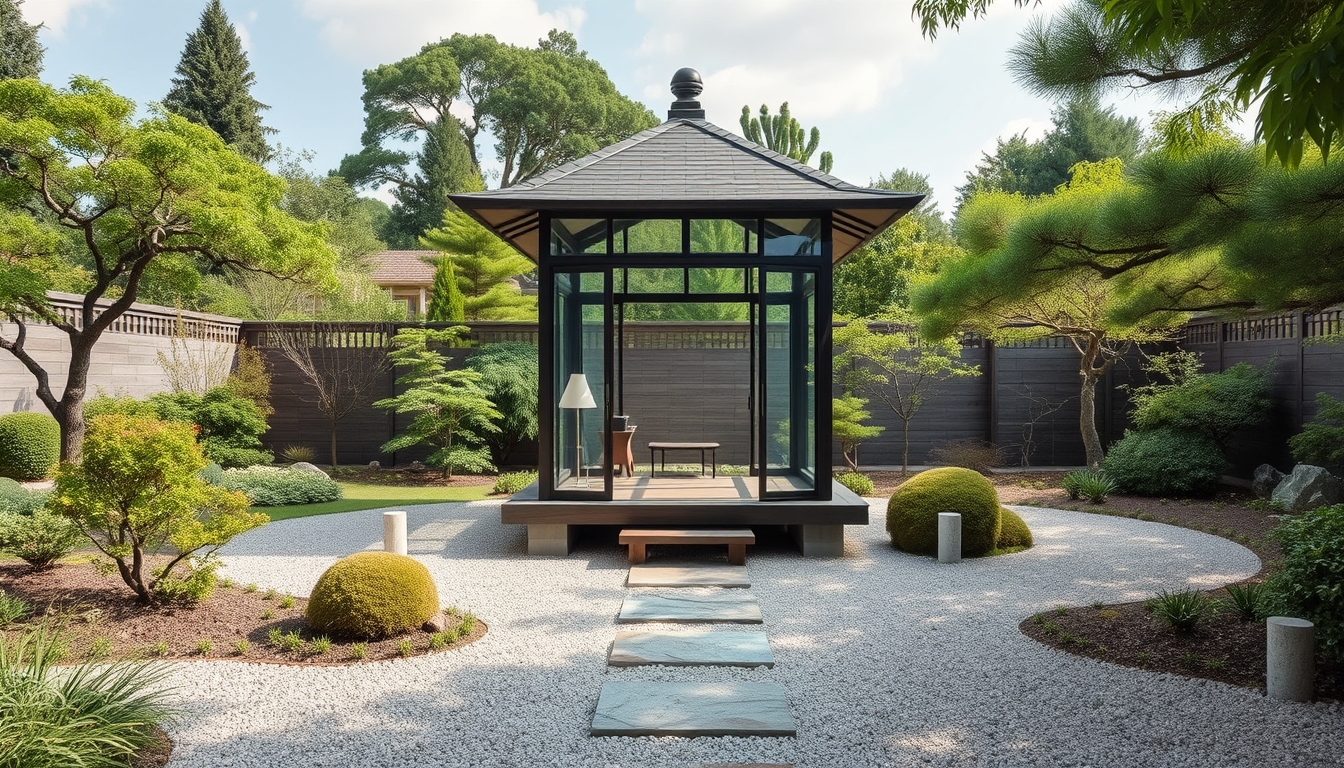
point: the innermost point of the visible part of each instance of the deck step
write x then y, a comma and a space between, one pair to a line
692, 576
692, 709
691, 648
727, 608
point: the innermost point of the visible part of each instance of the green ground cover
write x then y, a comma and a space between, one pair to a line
368, 496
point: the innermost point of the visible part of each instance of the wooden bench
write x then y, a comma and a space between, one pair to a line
736, 539
663, 448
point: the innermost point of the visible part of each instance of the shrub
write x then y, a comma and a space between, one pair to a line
371, 595
1322, 439
513, 482
1246, 599
1310, 583
39, 539
196, 586
92, 713
1013, 531
912, 512
1072, 484
281, 486
135, 491
230, 425
1183, 610
509, 376
30, 445
212, 473
1165, 462
296, 453
1091, 485
16, 499
1213, 405
858, 483
969, 454
12, 609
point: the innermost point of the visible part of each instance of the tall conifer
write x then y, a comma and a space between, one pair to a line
446, 303
20, 54
214, 82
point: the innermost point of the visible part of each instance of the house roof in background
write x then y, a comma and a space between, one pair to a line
403, 267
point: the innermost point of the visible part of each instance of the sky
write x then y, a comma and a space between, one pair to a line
883, 96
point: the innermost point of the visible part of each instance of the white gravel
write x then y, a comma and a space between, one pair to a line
888, 659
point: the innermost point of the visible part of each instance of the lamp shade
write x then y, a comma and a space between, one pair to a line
577, 394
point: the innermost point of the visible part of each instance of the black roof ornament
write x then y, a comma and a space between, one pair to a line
686, 85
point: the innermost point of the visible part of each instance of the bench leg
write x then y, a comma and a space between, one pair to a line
737, 554
637, 553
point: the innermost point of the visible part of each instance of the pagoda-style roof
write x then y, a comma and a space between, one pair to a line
687, 164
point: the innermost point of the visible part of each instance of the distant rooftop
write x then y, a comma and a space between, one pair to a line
403, 267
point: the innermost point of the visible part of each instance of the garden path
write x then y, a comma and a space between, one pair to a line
888, 659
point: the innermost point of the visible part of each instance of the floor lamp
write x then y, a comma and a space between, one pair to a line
578, 396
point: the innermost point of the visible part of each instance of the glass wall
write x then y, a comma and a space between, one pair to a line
788, 361
579, 383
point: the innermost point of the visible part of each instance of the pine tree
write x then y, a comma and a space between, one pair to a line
20, 54
446, 304
214, 86
484, 266
445, 167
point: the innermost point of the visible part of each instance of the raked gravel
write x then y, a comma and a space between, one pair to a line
888, 659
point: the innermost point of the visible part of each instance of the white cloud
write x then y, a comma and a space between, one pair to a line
373, 31
54, 14
839, 58
1034, 128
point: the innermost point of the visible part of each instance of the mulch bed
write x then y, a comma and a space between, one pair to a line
1223, 648
99, 608
405, 477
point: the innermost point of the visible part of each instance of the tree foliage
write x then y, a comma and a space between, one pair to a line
135, 493
446, 303
20, 53
214, 83
1217, 57
153, 199
1321, 440
445, 166
848, 415
783, 134
511, 379
450, 412
484, 265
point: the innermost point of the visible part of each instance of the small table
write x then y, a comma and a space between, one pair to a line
701, 447
621, 449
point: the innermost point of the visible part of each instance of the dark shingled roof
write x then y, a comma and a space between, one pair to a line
687, 163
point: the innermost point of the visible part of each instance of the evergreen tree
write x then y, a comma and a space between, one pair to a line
446, 304
214, 86
484, 266
445, 167
20, 54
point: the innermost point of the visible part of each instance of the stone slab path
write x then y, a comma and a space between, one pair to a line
698, 576
692, 709
724, 608
692, 648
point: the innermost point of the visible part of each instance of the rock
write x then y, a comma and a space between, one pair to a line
306, 467
1308, 487
418, 466
375, 465
1265, 480
437, 623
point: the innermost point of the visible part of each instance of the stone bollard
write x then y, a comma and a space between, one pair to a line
394, 532
949, 537
1290, 658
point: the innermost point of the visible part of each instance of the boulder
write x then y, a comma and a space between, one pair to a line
1265, 480
304, 466
418, 466
1308, 487
375, 465
436, 623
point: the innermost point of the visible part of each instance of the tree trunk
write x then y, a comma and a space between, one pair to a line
333, 444
70, 411
905, 446
1087, 416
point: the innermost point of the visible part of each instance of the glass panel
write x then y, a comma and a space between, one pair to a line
792, 237
717, 280
578, 385
647, 235
718, 312
570, 236
789, 356
723, 236
663, 280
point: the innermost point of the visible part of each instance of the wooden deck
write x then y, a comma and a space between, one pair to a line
681, 501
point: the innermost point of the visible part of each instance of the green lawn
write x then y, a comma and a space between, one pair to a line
365, 496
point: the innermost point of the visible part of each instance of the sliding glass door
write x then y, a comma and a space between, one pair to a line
786, 355
580, 385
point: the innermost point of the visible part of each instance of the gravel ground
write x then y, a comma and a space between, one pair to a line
888, 659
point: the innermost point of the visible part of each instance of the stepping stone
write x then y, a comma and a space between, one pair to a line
691, 648
692, 709
693, 576
727, 608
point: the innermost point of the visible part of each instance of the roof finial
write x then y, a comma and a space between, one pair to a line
686, 85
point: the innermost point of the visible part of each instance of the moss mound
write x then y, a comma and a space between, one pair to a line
30, 445
912, 513
1013, 531
371, 595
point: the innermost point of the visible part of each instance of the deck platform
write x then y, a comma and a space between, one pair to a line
681, 502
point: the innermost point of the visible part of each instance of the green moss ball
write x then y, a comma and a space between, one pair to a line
30, 445
912, 512
1013, 531
371, 595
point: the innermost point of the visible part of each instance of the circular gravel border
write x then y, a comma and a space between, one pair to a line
888, 659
